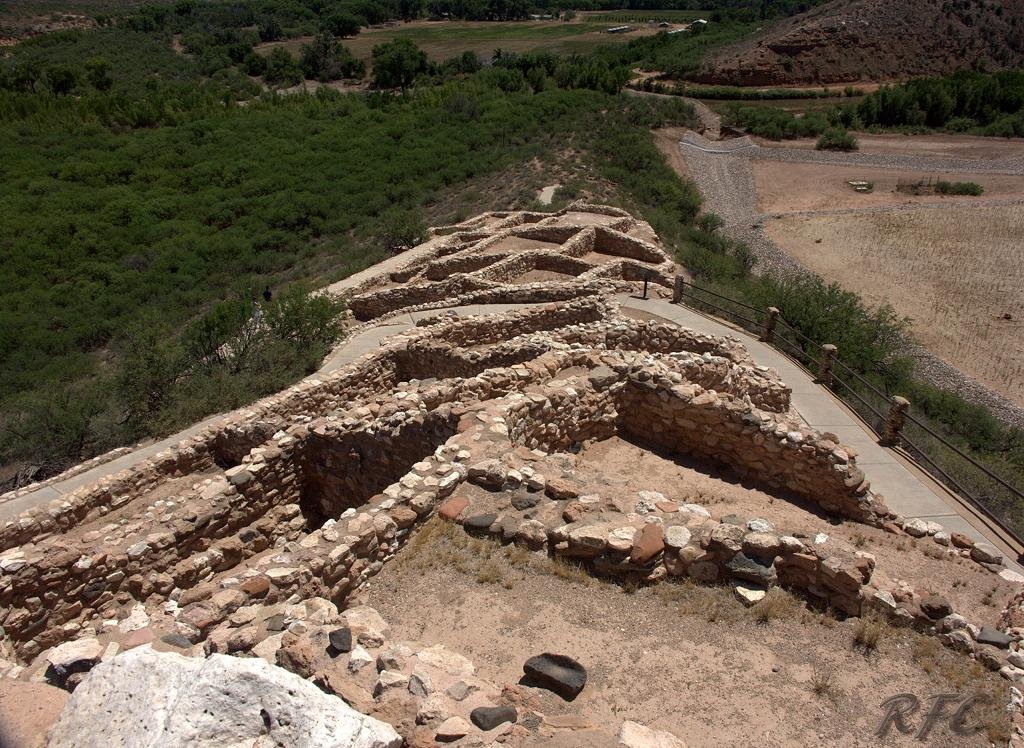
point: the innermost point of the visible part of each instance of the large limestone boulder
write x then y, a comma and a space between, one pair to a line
144, 698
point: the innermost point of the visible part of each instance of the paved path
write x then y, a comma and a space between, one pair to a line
906, 488
352, 348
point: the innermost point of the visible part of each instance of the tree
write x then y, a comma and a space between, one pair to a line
282, 68
397, 63
97, 72
836, 139
402, 229
62, 79
269, 29
254, 64
306, 320
213, 339
152, 361
341, 24
327, 60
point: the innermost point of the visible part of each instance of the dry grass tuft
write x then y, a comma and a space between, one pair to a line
868, 631
964, 676
566, 570
713, 603
778, 604
823, 685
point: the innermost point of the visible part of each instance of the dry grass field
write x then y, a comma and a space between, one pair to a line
442, 40
955, 270
783, 187
940, 145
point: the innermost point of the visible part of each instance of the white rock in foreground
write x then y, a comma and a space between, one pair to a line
147, 698
635, 735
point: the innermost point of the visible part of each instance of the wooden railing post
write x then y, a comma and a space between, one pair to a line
768, 334
679, 289
895, 421
828, 359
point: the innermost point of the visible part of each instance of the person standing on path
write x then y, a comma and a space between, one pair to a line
267, 294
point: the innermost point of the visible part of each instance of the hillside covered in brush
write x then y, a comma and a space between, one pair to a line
845, 41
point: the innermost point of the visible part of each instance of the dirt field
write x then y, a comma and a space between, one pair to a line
956, 271
785, 187
442, 40
946, 146
791, 682
802, 678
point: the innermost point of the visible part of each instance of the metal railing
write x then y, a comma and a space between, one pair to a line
991, 495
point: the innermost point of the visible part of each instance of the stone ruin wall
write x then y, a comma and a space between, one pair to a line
457, 269
309, 492
386, 459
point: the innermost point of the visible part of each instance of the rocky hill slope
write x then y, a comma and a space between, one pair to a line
846, 41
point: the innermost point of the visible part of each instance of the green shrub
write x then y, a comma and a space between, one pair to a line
836, 139
397, 63
958, 188
325, 59
282, 68
710, 222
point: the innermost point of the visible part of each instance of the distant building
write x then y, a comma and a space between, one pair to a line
619, 29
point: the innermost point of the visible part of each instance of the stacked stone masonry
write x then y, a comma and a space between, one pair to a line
305, 495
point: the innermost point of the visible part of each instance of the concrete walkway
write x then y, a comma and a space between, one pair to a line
906, 488
366, 341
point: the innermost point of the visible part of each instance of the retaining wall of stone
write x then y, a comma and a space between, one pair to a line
686, 418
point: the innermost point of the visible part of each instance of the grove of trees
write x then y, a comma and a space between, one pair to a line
140, 216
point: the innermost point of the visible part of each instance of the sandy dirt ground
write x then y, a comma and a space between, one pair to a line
686, 660
958, 272
785, 187
515, 243
797, 679
27, 712
678, 657
542, 276
667, 139
947, 146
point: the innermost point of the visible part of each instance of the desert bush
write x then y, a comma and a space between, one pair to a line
282, 69
868, 632
836, 139
958, 188
823, 684
709, 222
326, 59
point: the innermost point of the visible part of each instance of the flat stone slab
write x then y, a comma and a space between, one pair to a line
558, 673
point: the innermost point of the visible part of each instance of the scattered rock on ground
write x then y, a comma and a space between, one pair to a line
489, 717
558, 673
